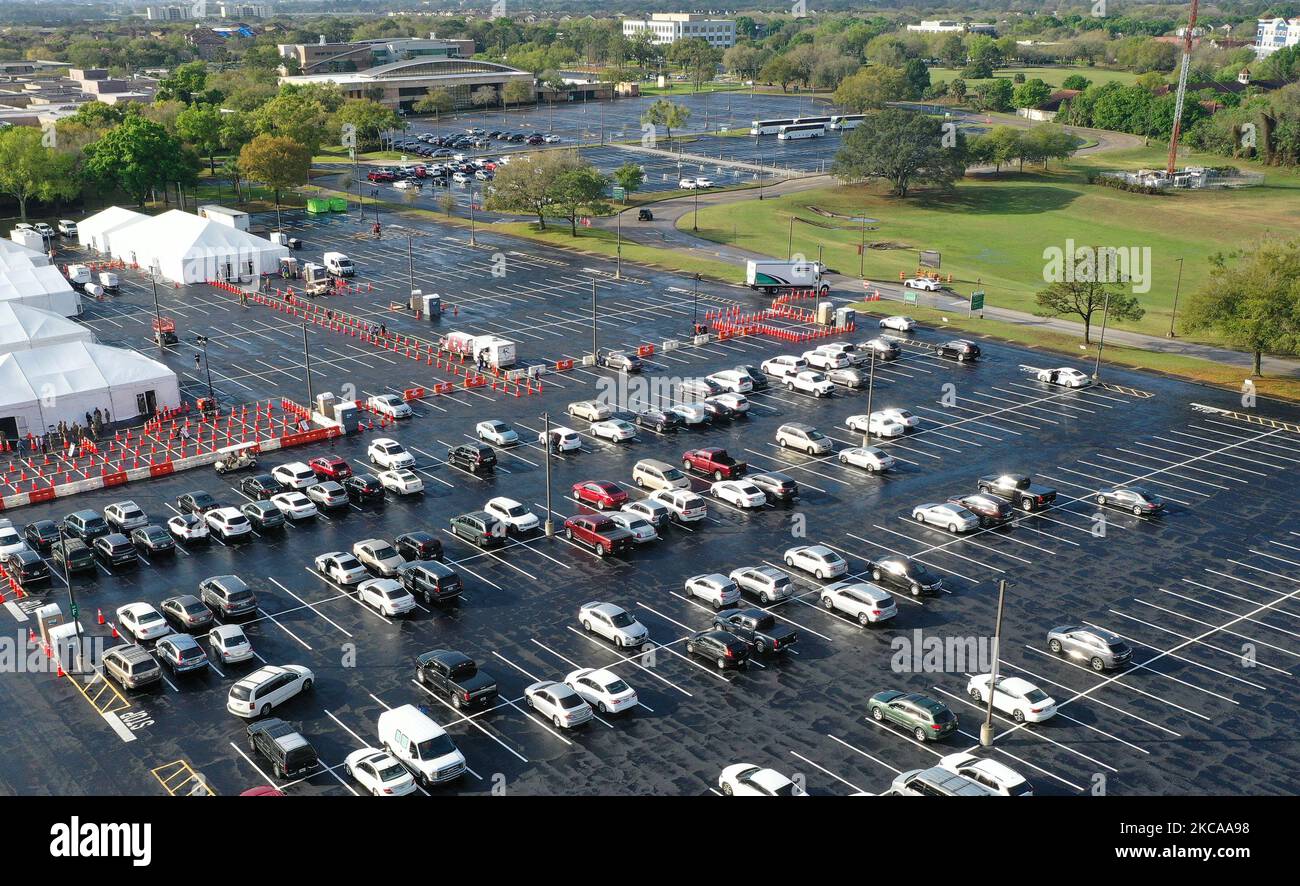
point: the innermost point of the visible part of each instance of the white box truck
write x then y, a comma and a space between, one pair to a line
496, 351
231, 218
777, 276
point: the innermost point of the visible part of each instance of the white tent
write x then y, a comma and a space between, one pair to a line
45, 288
41, 387
23, 328
95, 232
11, 251
187, 249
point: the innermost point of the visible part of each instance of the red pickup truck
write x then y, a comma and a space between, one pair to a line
600, 533
713, 461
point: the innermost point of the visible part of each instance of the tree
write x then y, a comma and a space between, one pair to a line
200, 126
278, 162
779, 69
483, 97
1077, 82
994, 95
871, 87
697, 58
299, 114
527, 183
667, 114
184, 84
138, 155
31, 170
576, 188
369, 121
903, 148
745, 60
436, 102
1085, 299
957, 89
1252, 299
917, 76
630, 177
1031, 94
517, 92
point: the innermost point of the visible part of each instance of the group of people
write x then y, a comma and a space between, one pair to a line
72, 438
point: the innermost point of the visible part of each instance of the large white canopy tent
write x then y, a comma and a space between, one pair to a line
9, 251
23, 328
43, 287
41, 387
185, 248
96, 232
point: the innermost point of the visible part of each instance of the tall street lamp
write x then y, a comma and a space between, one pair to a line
546, 441
593, 320
157, 313
986, 728
618, 249
789, 241
1101, 342
1177, 286
202, 341
871, 388
306, 363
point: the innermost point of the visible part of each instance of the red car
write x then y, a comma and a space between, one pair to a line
599, 533
713, 461
381, 177
330, 467
600, 494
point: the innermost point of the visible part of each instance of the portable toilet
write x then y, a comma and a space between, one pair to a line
845, 317
825, 313
430, 306
48, 617
66, 645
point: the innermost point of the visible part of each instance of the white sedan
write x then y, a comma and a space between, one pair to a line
748, 780
715, 589
898, 323
229, 644
691, 413
688, 184
510, 512
740, 493
817, 560
390, 405
142, 622
926, 283
591, 410
603, 690
1065, 376
401, 482
341, 567
498, 433
1019, 699
908, 420
643, 531
869, 458
388, 453
736, 402
612, 622
558, 703
188, 527
294, 505
879, 425
386, 595
946, 515
379, 773
614, 429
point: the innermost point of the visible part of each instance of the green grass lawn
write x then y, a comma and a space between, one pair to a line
1052, 76
992, 232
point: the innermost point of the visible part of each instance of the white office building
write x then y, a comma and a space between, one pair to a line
669, 27
1273, 34
946, 26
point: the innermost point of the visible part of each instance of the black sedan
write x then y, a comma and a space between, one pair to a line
1134, 499
363, 488
186, 612
259, 486
198, 502
905, 574
153, 539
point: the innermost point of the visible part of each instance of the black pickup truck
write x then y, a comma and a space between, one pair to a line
757, 628
1019, 489
455, 675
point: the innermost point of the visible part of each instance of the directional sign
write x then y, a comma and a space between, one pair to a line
909, 297
75, 609
977, 300
619, 193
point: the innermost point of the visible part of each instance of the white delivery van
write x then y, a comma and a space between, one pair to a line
421, 745
339, 264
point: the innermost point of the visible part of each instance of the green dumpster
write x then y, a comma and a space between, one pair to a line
317, 205
338, 204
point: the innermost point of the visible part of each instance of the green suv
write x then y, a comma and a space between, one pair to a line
925, 718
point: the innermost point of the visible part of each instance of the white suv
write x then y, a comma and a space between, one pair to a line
267, 688
797, 435
810, 382
294, 475
683, 505
715, 589
784, 365
864, 602
389, 454
827, 359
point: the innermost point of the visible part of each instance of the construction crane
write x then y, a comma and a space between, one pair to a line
1182, 91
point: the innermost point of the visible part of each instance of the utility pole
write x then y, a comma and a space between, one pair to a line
618, 250
546, 441
862, 250
157, 313
1177, 286
410, 261
695, 216
986, 728
306, 363
202, 341
472, 241
695, 307
593, 319
871, 387
789, 241
1101, 342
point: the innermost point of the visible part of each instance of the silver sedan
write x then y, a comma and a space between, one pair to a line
946, 515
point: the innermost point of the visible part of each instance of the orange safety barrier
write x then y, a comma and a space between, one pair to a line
645, 351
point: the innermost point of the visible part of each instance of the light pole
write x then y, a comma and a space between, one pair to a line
410, 261
695, 307
789, 241
695, 216
862, 250
618, 249
472, 240
1177, 286
871, 388
593, 320
202, 341
546, 441
157, 313
306, 363
73, 609
986, 728
1101, 342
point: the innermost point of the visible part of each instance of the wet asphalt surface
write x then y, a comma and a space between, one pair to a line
1215, 579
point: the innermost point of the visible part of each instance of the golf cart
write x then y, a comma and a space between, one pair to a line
164, 331
236, 457
316, 280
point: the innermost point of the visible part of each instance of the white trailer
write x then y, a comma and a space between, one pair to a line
776, 276
231, 218
496, 351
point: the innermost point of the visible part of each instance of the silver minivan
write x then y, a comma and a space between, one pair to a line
936, 782
132, 666
650, 473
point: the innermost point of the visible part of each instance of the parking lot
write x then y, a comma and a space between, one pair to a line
1205, 595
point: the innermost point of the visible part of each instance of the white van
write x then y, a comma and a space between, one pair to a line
339, 264
421, 745
653, 474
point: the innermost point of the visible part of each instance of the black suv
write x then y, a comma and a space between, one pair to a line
27, 567
473, 457
418, 545
658, 420
41, 534
290, 754
86, 525
362, 488
430, 581
72, 555
723, 647
115, 549
479, 527
263, 515
259, 486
